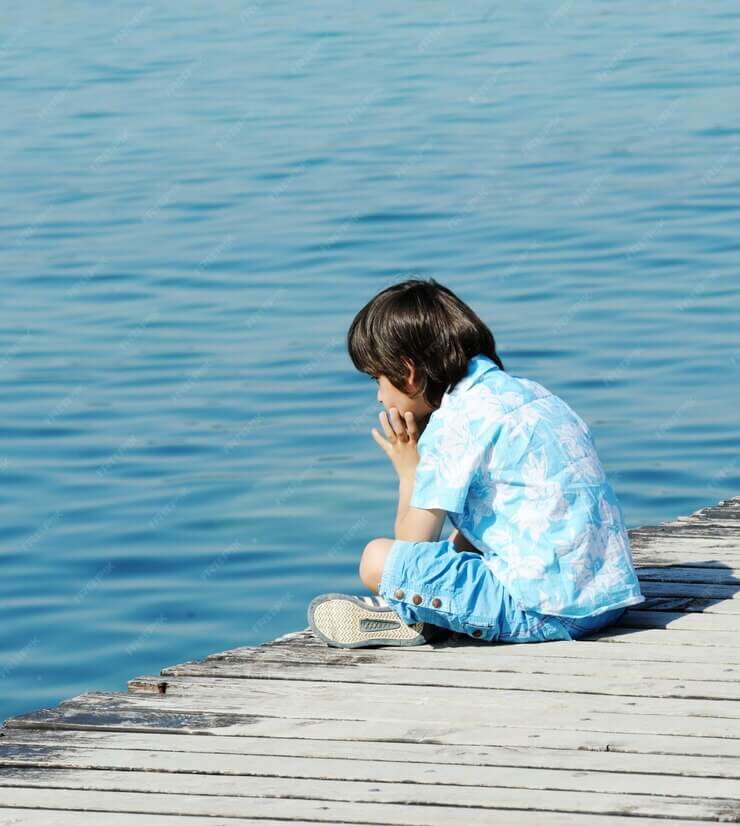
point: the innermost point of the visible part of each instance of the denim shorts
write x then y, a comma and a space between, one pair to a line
433, 582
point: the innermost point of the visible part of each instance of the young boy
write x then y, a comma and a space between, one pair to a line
539, 551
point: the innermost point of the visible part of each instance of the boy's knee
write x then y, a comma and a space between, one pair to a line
372, 562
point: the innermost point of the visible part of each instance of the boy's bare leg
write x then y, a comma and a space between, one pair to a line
372, 562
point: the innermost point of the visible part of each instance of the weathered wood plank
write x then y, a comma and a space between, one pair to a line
519, 668
679, 621
705, 562
592, 648
688, 527
218, 795
215, 770
12, 816
422, 701
724, 526
688, 605
683, 637
420, 706
688, 536
695, 550
626, 684
665, 735
684, 559
326, 811
657, 572
689, 589
259, 775
167, 752
721, 538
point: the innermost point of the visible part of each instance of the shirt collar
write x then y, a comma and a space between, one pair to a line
477, 366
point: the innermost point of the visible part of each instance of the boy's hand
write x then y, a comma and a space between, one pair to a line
400, 446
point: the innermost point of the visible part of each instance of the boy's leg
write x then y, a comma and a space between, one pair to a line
372, 565
372, 562
349, 621
438, 584
376, 552
441, 585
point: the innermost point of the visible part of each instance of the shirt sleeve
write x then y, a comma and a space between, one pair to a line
450, 450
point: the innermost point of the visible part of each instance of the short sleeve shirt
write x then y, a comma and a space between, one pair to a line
517, 471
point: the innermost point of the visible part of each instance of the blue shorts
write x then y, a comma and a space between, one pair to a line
434, 582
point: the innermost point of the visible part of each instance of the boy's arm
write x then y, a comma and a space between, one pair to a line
416, 524
412, 523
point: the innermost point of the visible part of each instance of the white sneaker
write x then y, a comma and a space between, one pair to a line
348, 621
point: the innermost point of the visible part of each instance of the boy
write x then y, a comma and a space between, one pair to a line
539, 550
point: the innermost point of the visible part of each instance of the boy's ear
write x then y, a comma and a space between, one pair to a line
410, 375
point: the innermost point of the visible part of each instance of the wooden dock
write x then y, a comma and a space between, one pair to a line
638, 724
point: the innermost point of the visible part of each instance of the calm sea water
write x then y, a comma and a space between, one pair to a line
196, 201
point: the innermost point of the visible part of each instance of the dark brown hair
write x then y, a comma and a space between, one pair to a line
426, 323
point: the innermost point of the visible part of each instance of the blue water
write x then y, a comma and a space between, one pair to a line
196, 201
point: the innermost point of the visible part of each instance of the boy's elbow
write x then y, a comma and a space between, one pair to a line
402, 532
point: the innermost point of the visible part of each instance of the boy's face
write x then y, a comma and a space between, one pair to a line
390, 396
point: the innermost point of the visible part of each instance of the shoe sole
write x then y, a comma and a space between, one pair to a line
345, 621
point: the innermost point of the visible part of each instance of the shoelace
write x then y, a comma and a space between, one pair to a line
377, 601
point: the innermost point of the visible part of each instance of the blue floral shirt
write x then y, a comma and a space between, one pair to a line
516, 470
